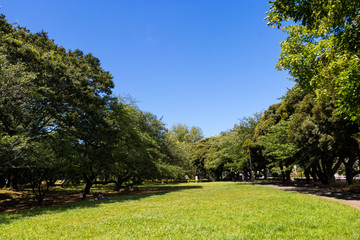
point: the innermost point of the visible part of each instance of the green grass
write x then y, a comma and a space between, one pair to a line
191, 211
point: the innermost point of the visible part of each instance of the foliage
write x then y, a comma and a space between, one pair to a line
58, 120
226, 156
326, 138
202, 158
181, 141
321, 52
277, 145
183, 133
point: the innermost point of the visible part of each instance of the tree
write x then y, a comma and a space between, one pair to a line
142, 148
201, 158
278, 149
49, 92
336, 16
181, 140
272, 138
41, 167
324, 138
321, 52
183, 133
15, 83
228, 160
229, 153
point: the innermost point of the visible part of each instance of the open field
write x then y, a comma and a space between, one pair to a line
190, 211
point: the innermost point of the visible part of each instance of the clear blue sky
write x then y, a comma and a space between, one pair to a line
204, 63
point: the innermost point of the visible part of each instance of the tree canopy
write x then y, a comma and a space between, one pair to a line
59, 121
322, 50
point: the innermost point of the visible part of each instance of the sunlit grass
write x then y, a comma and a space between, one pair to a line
202, 211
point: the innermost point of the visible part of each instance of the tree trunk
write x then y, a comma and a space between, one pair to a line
51, 182
349, 170
40, 196
12, 184
283, 177
39, 191
251, 169
314, 175
350, 174
265, 174
307, 175
322, 173
330, 168
120, 181
288, 175
88, 186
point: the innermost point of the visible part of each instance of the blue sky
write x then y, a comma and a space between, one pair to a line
205, 63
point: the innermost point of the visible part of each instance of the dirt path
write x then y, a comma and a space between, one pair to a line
352, 199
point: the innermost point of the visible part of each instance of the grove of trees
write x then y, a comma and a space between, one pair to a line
316, 125
60, 121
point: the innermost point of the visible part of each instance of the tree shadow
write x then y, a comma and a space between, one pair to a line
324, 191
5, 196
8, 217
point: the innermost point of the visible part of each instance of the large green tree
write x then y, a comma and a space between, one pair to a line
322, 50
47, 92
272, 139
201, 157
325, 139
181, 140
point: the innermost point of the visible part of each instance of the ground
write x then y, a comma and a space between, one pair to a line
21, 200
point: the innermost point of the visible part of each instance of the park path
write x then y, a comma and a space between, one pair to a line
352, 199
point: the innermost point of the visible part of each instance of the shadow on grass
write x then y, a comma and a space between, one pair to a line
153, 190
5, 196
324, 191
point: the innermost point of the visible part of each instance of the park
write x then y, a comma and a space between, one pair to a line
81, 159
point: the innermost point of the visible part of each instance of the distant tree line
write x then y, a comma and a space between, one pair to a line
316, 125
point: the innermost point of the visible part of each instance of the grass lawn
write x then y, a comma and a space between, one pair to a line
190, 211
